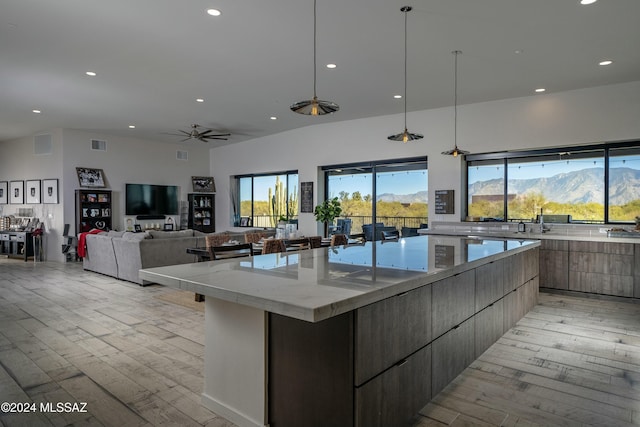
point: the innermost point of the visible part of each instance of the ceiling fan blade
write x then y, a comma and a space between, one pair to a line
217, 137
176, 134
186, 139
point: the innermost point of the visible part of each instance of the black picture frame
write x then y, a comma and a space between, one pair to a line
306, 197
137, 228
33, 192
168, 227
4, 192
16, 192
89, 177
203, 184
50, 191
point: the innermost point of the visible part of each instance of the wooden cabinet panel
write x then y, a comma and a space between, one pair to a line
598, 283
395, 397
554, 245
636, 279
389, 330
531, 261
602, 268
554, 269
514, 272
489, 326
451, 354
590, 262
513, 307
601, 247
489, 284
453, 301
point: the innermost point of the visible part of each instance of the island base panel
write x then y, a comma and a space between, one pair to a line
235, 362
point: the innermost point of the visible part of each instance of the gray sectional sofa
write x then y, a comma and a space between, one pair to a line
123, 254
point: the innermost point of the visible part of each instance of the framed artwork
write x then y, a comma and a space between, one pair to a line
88, 177
244, 221
4, 190
203, 184
168, 227
16, 192
306, 196
137, 228
50, 191
32, 191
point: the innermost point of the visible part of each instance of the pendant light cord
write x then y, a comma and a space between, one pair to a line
314, 49
405, 68
455, 100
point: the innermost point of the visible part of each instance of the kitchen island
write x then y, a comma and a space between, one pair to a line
361, 335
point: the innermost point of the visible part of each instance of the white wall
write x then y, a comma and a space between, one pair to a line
607, 113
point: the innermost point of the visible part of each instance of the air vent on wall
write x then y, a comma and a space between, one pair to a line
42, 144
182, 155
98, 145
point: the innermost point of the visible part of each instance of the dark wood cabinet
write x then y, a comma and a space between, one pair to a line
489, 326
451, 354
93, 210
16, 244
554, 259
602, 267
202, 210
453, 301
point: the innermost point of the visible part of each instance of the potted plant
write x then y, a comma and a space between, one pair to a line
328, 211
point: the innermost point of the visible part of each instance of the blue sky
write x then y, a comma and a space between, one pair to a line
404, 182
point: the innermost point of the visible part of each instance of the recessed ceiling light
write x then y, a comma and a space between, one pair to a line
214, 12
91, 73
132, 126
331, 65
199, 100
397, 96
37, 111
605, 62
540, 90
273, 118
587, 1
518, 52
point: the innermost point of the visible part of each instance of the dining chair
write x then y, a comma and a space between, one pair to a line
272, 246
298, 243
339, 239
232, 251
315, 242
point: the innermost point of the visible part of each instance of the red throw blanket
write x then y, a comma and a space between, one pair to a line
82, 241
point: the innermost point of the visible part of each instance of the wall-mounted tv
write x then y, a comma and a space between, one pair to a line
149, 199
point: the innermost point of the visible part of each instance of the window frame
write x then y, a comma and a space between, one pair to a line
252, 176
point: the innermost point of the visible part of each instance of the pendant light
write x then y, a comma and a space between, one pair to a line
456, 151
314, 106
406, 135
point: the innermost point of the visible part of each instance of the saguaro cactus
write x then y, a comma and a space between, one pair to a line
278, 205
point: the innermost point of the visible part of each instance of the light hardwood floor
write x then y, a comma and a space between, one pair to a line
67, 335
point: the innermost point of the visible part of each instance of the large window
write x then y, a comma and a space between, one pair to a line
265, 199
591, 184
392, 194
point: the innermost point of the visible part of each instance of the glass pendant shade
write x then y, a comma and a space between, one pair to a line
405, 136
314, 106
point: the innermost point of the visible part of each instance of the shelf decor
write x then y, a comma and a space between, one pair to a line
50, 191
16, 190
88, 177
203, 184
4, 190
33, 191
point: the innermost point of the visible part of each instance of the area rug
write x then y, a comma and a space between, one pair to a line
183, 298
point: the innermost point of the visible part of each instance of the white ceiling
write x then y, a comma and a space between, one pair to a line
153, 58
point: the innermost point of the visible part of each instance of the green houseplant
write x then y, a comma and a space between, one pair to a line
328, 211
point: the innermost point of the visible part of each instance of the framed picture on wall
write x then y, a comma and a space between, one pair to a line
50, 191
4, 190
88, 177
16, 192
32, 191
203, 184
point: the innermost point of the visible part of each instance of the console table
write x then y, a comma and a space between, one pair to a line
16, 244
356, 335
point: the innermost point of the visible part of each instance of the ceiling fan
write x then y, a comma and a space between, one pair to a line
203, 135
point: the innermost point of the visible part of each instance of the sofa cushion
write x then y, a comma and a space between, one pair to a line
133, 237
113, 233
170, 234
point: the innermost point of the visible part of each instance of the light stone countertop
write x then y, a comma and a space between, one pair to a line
317, 284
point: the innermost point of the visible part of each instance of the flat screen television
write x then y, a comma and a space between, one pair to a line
151, 200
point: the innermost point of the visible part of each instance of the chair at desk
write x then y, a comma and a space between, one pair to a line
231, 251
69, 248
390, 235
338, 239
272, 246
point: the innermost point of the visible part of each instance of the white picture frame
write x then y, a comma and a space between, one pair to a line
16, 192
32, 192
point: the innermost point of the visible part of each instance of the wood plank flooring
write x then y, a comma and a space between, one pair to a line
67, 335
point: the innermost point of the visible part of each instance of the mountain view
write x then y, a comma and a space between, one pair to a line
419, 197
574, 187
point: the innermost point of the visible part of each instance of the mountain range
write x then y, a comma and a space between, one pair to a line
581, 186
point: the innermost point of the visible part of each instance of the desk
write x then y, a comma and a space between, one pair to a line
331, 300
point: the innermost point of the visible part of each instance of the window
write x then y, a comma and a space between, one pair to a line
265, 199
399, 189
590, 184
